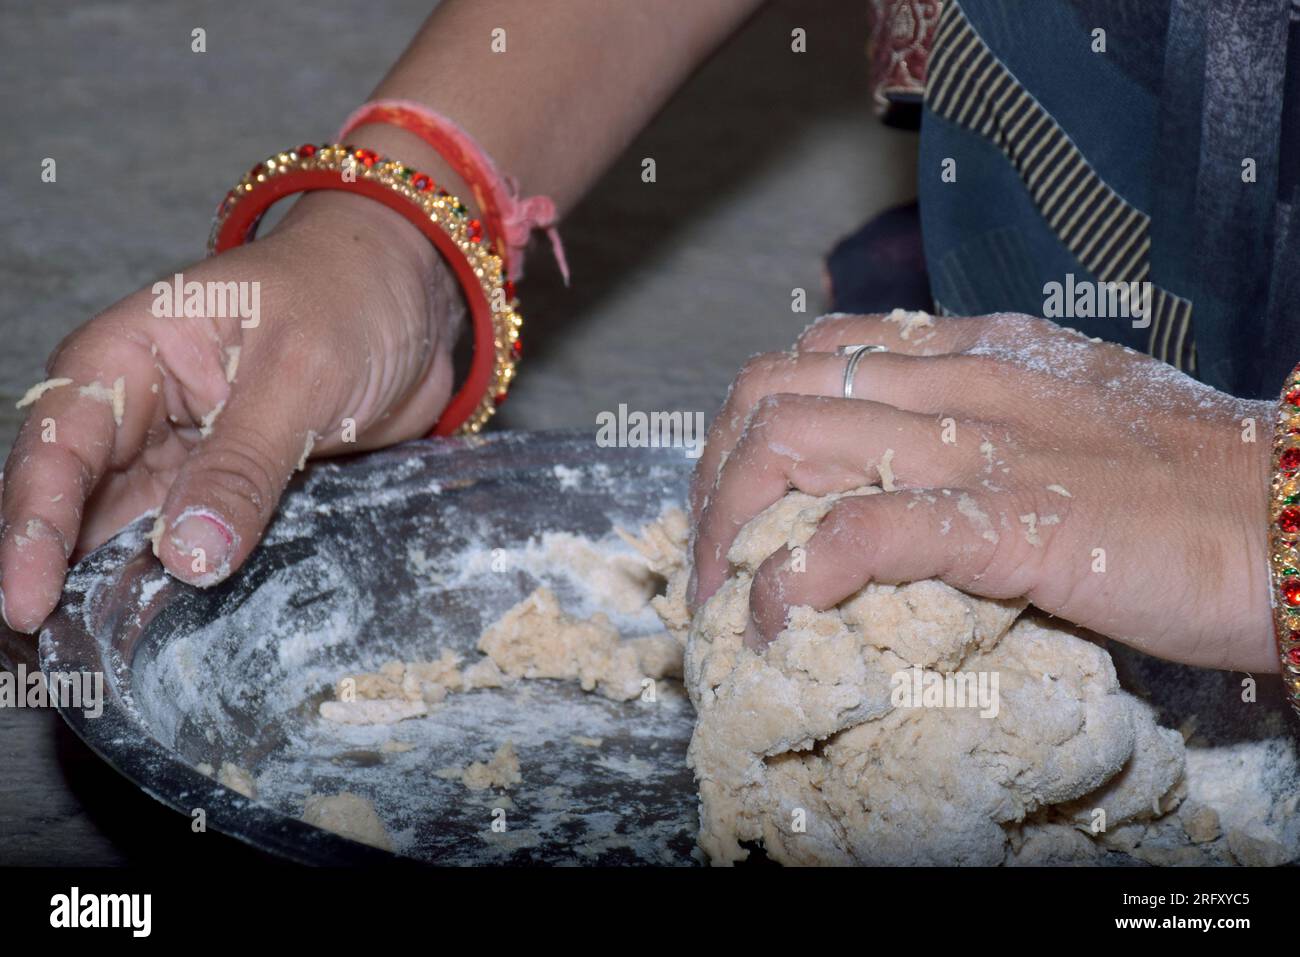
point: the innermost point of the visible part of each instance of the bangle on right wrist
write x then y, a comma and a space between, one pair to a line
1284, 536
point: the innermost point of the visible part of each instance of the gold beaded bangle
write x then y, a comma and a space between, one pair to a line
1284, 536
440, 216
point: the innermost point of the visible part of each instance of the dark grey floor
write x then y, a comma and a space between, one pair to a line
763, 160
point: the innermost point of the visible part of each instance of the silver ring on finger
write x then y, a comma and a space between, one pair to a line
855, 354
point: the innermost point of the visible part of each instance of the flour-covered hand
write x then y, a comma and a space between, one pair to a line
1018, 458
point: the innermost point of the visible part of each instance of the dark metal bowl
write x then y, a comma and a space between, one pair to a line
235, 673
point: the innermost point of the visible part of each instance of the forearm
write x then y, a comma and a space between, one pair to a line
577, 80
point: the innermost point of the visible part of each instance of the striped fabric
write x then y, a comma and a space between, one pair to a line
967, 85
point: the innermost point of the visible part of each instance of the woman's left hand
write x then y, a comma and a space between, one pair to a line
1019, 458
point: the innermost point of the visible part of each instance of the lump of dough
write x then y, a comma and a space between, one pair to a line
537, 639
349, 815
804, 749
663, 546
501, 772
399, 690
237, 779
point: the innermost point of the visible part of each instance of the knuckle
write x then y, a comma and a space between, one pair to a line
750, 385
825, 333
765, 411
760, 368
244, 472
851, 519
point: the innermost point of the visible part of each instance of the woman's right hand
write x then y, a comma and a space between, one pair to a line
358, 318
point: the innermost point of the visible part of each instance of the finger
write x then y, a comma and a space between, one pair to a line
73, 434
920, 334
226, 491
819, 445
978, 386
957, 536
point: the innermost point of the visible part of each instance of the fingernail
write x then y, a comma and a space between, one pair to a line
206, 544
753, 640
3, 615
692, 585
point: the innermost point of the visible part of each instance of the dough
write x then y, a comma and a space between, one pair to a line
209, 420
809, 748
38, 390
115, 397
399, 690
501, 772
349, 815
537, 639
663, 546
237, 779
232, 362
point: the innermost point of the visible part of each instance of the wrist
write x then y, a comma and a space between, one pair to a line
370, 236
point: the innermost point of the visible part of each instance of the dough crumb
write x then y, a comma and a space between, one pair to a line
909, 322
115, 397
306, 451
38, 390
204, 768
232, 362
348, 815
484, 674
237, 779
587, 742
1200, 822
501, 772
1030, 521
886, 470
156, 533
205, 426
393, 746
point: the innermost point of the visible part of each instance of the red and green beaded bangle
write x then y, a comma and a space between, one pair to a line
440, 216
1284, 536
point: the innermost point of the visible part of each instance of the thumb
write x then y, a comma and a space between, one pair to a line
227, 490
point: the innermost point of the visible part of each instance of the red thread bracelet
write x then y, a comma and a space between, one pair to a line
510, 219
441, 217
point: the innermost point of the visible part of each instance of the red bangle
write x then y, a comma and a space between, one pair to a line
440, 216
